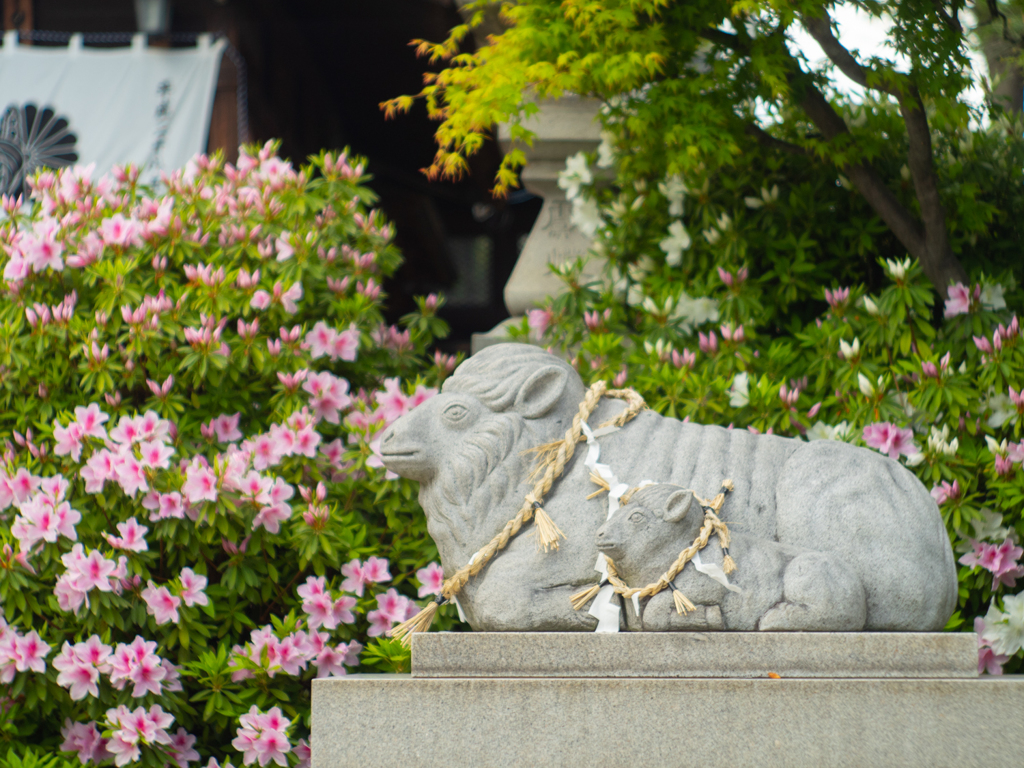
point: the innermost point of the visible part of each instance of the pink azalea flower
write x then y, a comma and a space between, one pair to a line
68, 440
260, 300
181, 749
380, 623
315, 585
302, 751
321, 340
100, 467
91, 419
85, 739
342, 610
79, 677
131, 475
90, 571
127, 431
30, 652
271, 517
376, 570
959, 301
119, 231
161, 604
319, 611
330, 661
192, 586
538, 320
944, 492
355, 577
306, 441
132, 536
170, 506
226, 428
431, 580
289, 297
156, 454
988, 660
392, 401
200, 483
890, 439
346, 345
23, 484
393, 605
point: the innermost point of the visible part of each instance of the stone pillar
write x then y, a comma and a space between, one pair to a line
563, 127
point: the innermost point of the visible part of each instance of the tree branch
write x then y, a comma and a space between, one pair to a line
931, 247
864, 177
768, 141
950, 21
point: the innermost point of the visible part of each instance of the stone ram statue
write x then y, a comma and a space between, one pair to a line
468, 449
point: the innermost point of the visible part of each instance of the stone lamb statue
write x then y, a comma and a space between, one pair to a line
866, 515
778, 587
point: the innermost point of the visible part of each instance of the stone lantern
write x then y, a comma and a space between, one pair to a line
563, 127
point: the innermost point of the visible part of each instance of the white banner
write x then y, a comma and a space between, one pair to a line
76, 105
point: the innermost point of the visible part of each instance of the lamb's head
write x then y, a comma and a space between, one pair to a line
644, 536
465, 445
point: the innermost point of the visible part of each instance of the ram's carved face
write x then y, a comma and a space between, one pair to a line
418, 444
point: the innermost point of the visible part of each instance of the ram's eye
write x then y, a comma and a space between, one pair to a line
455, 412
637, 517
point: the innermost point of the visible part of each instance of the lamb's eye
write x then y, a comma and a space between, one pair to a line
455, 412
637, 518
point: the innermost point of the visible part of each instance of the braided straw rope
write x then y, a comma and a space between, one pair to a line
712, 524
552, 459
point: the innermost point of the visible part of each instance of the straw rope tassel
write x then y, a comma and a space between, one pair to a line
683, 604
582, 598
419, 623
547, 531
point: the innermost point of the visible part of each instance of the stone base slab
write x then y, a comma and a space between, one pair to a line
399, 720
695, 654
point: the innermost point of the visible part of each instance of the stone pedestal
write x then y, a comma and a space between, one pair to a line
517, 699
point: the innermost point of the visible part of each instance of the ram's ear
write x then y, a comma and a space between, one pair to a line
678, 505
541, 391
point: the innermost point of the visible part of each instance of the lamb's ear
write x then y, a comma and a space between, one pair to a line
678, 505
541, 391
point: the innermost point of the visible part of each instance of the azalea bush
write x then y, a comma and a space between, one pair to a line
736, 298
195, 520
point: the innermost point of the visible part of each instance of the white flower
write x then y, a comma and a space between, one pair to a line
939, 442
1005, 631
739, 392
693, 311
1003, 410
674, 189
767, 196
821, 431
866, 387
990, 526
995, 447
575, 175
843, 431
870, 306
586, 216
674, 245
992, 296
606, 150
897, 269
914, 459
850, 351
711, 235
